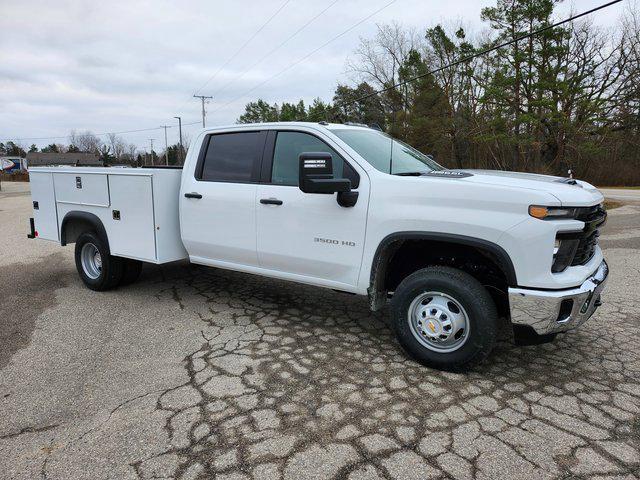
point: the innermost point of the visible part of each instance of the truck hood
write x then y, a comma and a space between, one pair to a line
578, 194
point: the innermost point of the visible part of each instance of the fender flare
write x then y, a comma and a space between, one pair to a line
391, 242
83, 217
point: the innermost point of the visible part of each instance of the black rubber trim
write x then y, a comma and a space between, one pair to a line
501, 255
86, 217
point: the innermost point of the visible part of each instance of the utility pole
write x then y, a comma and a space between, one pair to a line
203, 98
180, 130
151, 140
166, 144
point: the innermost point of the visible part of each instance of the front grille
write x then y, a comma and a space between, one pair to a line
586, 249
594, 218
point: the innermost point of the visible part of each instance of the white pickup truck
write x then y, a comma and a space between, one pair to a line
348, 208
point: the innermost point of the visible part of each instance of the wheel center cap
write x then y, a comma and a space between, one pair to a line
433, 327
430, 324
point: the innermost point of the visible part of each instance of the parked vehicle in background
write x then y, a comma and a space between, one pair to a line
348, 208
13, 164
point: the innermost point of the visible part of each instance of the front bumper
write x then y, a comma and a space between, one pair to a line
558, 310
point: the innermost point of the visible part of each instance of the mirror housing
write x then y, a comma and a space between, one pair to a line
316, 174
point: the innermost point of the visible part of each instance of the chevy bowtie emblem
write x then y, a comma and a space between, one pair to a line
432, 327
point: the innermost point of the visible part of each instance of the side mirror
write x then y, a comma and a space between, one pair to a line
316, 174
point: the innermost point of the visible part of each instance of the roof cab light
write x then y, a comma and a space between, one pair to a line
551, 213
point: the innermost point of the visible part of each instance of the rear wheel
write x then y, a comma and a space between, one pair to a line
97, 268
445, 318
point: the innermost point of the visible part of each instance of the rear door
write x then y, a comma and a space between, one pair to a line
218, 207
305, 234
44, 205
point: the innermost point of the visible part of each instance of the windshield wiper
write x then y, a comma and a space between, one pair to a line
410, 174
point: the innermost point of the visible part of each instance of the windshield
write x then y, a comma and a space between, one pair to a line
386, 153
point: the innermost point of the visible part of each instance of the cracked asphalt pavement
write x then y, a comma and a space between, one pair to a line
202, 373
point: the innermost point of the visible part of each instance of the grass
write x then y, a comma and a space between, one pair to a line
611, 204
623, 188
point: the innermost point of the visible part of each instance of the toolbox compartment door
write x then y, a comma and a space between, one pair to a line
131, 220
43, 196
90, 189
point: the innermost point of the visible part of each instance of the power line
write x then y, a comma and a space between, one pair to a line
242, 47
24, 139
272, 51
96, 134
480, 53
306, 56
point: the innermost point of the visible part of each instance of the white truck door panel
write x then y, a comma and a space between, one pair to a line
218, 200
220, 226
132, 235
310, 234
82, 188
43, 195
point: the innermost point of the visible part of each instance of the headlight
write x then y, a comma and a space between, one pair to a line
551, 213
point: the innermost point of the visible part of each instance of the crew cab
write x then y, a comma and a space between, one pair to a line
351, 209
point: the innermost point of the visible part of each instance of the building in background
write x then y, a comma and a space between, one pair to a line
39, 159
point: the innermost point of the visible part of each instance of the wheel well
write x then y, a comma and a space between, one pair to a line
76, 223
401, 256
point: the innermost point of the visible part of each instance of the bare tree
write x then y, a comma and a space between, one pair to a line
86, 141
118, 145
131, 152
379, 59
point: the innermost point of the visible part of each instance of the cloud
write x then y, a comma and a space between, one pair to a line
121, 65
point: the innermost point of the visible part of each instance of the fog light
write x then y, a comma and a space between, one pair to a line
556, 247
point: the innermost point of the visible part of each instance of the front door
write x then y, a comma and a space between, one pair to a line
218, 209
309, 235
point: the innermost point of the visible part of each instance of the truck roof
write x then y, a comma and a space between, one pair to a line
329, 126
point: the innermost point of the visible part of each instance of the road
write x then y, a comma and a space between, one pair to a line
202, 373
621, 194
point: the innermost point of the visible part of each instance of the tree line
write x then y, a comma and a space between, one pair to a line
566, 99
115, 150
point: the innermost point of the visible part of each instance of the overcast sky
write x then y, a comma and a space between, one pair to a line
125, 65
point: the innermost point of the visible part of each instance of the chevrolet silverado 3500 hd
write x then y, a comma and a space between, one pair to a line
348, 208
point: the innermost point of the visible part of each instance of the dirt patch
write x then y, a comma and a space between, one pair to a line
611, 204
26, 293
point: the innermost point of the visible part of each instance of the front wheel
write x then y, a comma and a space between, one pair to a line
445, 318
97, 268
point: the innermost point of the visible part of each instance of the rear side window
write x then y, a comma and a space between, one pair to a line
289, 146
233, 157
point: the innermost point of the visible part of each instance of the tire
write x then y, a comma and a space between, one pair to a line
131, 272
105, 271
444, 318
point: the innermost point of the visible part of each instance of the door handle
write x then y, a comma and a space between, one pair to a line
270, 201
193, 195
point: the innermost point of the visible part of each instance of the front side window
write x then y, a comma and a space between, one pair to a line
232, 157
289, 146
387, 154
